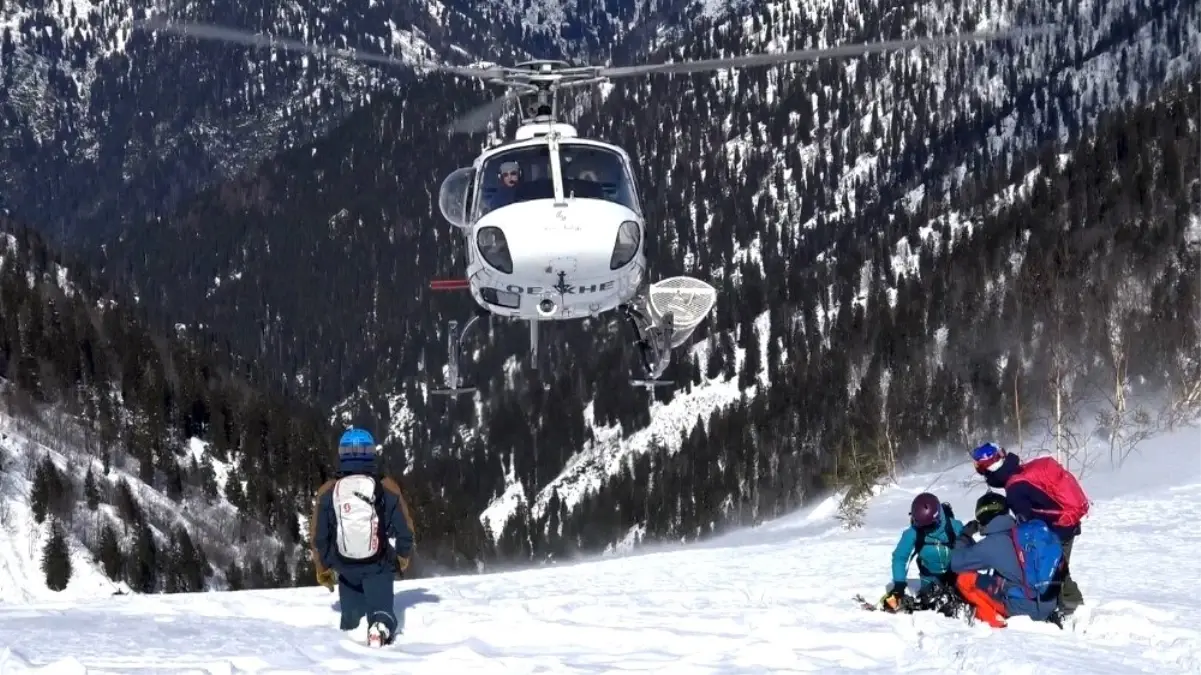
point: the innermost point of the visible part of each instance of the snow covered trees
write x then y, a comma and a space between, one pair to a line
96, 382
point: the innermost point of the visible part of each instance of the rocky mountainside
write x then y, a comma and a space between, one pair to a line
833, 204
102, 125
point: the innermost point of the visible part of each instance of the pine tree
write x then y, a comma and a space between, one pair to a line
208, 480
282, 572
256, 574
234, 492
109, 553
90, 491
127, 505
189, 562
143, 564
234, 577
56, 558
39, 497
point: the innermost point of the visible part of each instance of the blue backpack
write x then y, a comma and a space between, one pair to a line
1040, 557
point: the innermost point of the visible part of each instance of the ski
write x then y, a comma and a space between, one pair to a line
864, 604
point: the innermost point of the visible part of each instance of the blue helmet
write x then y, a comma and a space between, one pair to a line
356, 451
356, 438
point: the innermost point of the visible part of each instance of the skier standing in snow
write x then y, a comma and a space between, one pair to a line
1026, 560
932, 532
1039, 489
354, 516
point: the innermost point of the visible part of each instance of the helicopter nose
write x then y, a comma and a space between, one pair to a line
565, 264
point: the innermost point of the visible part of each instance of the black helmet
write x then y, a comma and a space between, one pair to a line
925, 511
989, 506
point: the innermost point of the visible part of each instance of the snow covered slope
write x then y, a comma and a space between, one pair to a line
771, 600
25, 444
22, 539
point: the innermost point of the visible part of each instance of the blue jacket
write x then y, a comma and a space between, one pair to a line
935, 556
398, 523
996, 552
1022, 498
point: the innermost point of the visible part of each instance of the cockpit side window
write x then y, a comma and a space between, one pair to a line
592, 172
517, 175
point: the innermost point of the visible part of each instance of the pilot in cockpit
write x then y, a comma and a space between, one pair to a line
510, 178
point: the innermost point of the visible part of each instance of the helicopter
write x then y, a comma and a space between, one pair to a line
552, 221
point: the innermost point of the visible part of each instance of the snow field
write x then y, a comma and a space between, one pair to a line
771, 600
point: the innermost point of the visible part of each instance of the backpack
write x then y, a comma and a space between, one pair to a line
1057, 483
359, 518
1040, 558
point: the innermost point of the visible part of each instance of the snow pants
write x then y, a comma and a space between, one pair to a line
1070, 596
979, 590
366, 591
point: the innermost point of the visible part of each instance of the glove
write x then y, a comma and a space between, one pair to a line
895, 598
402, 563
328, 578
971, 529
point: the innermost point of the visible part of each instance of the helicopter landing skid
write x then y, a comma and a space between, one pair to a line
653, 341
454, 346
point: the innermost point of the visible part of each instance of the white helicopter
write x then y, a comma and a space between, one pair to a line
552, 221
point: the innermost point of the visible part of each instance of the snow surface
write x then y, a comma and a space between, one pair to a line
772, 599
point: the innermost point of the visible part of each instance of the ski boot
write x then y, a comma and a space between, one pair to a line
378, 635
943, 600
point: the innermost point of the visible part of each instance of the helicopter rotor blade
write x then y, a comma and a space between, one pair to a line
236, 36
841, 51
477, 119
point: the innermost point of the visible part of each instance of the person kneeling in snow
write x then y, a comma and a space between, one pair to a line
1039, 489
1026, 560
932, 532
354, 516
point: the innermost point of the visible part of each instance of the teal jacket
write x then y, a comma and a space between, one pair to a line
934, 559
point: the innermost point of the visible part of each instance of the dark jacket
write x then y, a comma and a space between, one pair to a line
398, 524
1023, 498
996, 552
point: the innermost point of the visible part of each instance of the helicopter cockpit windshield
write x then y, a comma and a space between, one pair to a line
596, 172
517, 175
523, 174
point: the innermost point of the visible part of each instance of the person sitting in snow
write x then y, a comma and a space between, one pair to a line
1025, 559
354, 515
932, 532
1039, 489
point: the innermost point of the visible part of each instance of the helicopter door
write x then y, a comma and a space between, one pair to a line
452, 196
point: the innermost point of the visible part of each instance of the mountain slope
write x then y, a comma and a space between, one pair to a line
1037, 310
23, 540
157, 457
771, 600
319, 266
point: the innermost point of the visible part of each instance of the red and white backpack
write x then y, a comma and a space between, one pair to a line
358, 508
